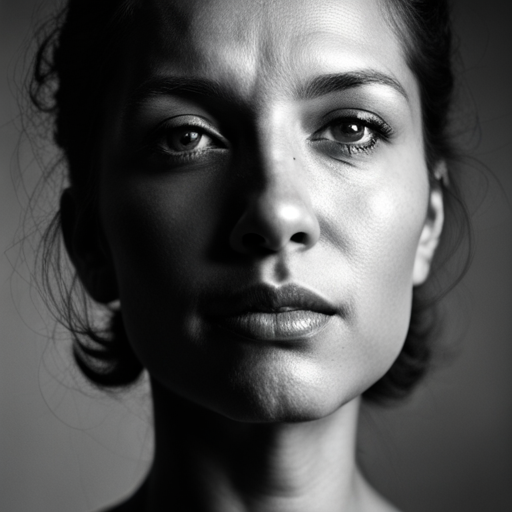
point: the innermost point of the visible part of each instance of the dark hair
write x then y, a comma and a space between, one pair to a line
76, 62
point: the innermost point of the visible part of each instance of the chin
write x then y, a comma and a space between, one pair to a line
283, 399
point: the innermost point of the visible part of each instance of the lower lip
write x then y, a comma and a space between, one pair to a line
281, 326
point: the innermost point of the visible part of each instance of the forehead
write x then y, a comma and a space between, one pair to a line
267, 46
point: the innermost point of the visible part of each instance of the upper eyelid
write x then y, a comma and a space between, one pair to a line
360, 115
204, 125
348, 110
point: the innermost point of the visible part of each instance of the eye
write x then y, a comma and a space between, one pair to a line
183, 139
348, 132
187, 139
351, 134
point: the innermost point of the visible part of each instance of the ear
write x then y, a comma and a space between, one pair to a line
432, 229
87, 249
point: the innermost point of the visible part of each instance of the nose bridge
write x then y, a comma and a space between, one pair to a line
278, 211
278, 156
282, 181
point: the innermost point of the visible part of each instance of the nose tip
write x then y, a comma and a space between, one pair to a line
273, 222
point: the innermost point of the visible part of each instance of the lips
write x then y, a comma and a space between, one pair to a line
268, 313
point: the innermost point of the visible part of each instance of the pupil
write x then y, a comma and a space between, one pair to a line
348, 132
189, 138
352, 129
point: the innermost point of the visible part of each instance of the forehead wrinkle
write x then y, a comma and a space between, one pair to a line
278, 45
248, 48
323, 46
260, 50
197, 41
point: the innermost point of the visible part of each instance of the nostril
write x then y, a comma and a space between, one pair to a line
299, 238
251, 240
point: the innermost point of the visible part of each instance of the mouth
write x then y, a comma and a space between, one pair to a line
268, 313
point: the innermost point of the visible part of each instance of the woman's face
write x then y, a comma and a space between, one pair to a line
264, 199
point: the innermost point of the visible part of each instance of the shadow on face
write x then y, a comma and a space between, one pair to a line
265, 203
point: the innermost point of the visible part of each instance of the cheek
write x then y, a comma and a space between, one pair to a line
170, 244
159, 235
159, 231
391, 223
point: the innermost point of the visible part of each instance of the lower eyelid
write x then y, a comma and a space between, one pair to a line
169, 160
333, 149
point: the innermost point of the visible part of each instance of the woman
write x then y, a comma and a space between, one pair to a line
257, 191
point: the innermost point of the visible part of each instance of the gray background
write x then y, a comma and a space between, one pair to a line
64, 447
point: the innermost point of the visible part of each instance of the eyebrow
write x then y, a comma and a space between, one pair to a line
337, 82
319, 86
179, 86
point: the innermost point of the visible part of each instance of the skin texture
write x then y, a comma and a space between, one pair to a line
270, 197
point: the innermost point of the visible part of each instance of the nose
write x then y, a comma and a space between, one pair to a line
277, 216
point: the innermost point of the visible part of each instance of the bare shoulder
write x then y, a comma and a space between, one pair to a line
389, 507
125, 506
378, 503
133, 503
373, 501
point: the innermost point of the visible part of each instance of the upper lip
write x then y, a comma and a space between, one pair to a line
265, 298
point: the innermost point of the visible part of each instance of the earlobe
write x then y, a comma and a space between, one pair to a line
83, 242
431, 232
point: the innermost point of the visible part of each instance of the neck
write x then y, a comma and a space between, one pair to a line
206, 462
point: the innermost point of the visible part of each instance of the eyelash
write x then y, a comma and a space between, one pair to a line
157, 143
378, 131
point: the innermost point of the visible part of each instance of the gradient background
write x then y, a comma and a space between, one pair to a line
64, 447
